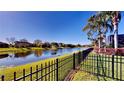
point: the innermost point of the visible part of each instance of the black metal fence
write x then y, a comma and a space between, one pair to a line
54, 70
106, 66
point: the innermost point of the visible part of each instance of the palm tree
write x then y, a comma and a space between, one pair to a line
114, 18
98, 27
106, 25
98, 23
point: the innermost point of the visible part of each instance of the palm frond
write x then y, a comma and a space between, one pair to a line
86, 27
119, 16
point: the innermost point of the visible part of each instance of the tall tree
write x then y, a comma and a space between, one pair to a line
38, 43
94, 26
114, 17
106, 25
11, 41
23, 40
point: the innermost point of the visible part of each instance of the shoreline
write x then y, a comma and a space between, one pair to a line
8, 72
20, 50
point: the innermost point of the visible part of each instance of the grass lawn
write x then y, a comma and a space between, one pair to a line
103, 65
18, 50
85, 76
63, 71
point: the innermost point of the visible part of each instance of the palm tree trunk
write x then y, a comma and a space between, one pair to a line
99, 43
115, 36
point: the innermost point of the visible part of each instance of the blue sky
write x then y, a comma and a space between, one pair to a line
56, 26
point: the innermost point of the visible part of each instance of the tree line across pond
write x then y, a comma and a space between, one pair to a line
24, 43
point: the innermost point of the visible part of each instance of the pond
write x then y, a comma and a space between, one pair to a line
11, 60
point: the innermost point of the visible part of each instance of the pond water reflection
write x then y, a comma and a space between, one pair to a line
10, 60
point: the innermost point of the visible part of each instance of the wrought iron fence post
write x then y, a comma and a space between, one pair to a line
23, 74
82, 58
112, 66
49, 70
97, 65
36, 72
45, 71
2, 77
79, 57
41, 72
14, 76
30, 73
57, 70
121, 68
74, 61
